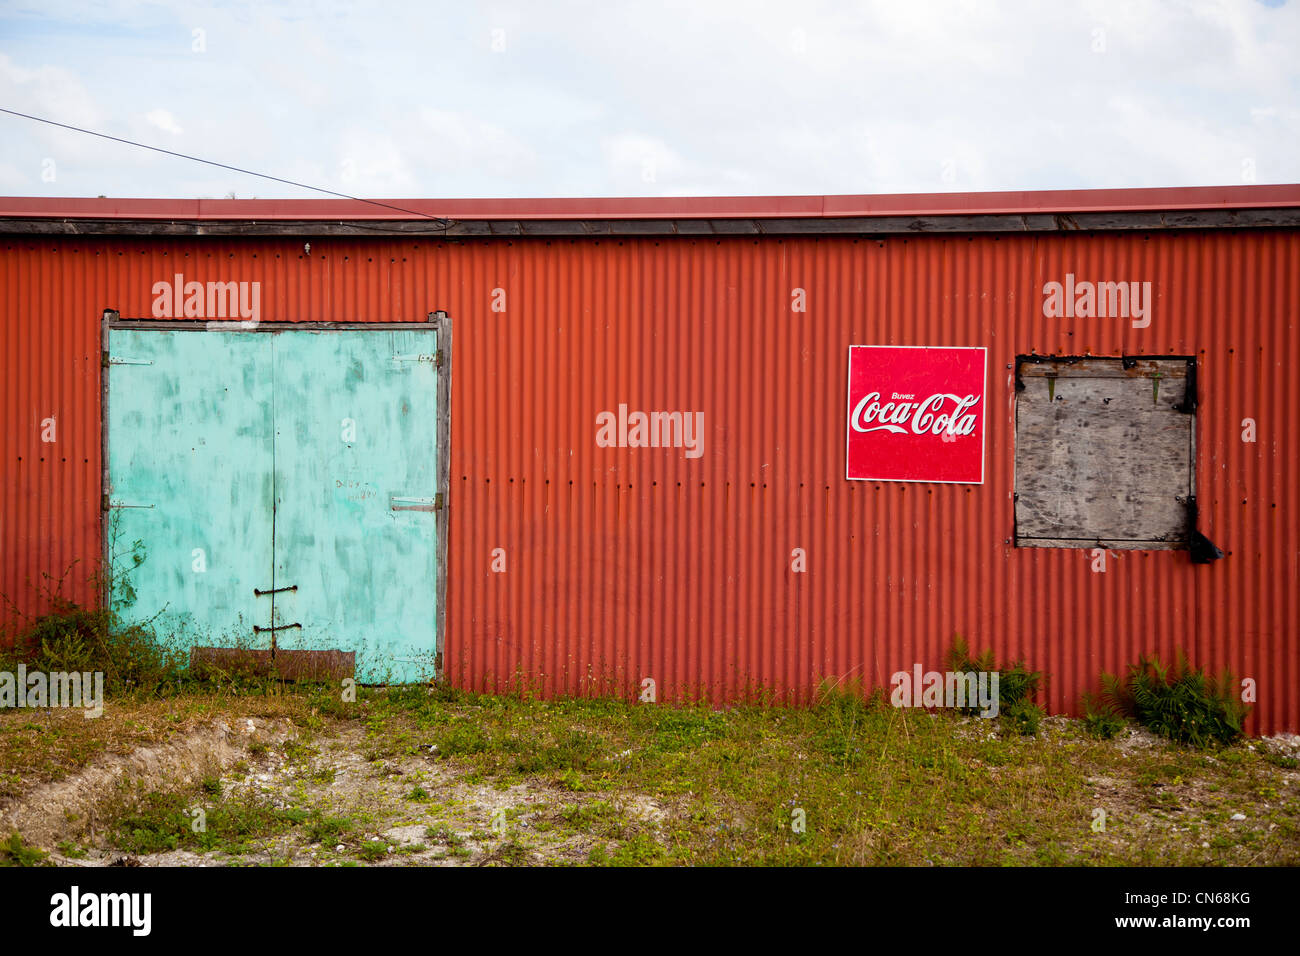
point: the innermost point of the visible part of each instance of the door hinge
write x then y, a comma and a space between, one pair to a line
437, 358
397, 503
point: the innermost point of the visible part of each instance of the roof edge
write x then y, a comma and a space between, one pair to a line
853, 226
1013, 203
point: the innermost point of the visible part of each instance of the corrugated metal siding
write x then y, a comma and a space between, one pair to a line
624, 564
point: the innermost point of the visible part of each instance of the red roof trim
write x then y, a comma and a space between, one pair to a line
710, 207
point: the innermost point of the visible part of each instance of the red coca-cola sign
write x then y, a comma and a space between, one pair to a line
916, 414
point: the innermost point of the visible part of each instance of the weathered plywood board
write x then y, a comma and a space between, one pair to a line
1103, 455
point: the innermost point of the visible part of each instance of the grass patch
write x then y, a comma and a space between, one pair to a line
72, 638
329, 830
71, 850
14, 853
156, 821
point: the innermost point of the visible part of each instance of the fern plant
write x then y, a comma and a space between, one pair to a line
1017, 685
1102, 718
1182, 703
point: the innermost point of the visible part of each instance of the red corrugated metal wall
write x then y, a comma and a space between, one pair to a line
632, 563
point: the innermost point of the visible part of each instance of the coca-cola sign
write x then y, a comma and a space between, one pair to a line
916, 414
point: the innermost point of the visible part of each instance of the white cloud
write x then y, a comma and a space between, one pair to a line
459, 141
47, 89
643, 164
372, 165
15, 181
164, 121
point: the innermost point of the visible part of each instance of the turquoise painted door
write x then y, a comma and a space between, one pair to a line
355, 485
303, 465
189, 432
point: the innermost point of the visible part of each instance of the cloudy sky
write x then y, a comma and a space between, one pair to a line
464, 99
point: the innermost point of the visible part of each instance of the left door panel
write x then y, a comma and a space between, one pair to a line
190, 446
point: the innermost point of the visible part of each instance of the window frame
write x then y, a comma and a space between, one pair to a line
1180, 540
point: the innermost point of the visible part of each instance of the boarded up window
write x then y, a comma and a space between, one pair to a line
1104, 452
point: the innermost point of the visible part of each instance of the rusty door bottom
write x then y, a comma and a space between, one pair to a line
287, 664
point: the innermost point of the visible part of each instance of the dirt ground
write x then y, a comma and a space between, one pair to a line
451, 821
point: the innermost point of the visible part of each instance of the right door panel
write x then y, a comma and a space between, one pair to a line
355, 485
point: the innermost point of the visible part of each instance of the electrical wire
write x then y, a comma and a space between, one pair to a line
237, 169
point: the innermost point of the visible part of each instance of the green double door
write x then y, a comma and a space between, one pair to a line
277, 491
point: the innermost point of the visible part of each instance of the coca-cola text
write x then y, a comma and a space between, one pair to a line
931, 416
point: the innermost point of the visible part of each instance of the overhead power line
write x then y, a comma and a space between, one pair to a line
237, 169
